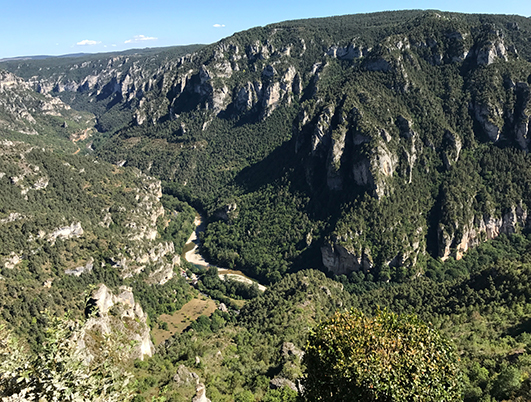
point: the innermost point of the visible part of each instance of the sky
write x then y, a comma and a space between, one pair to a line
57, 27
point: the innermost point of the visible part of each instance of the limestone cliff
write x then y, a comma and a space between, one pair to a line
456, 239
24, 111
120, 316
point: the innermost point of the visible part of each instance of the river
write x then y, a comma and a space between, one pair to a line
192, 255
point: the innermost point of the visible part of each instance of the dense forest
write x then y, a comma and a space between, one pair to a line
371, 170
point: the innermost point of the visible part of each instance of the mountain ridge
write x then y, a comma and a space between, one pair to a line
366, 106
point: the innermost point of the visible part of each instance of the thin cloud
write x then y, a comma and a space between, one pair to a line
88, 42
140, 38
219, 25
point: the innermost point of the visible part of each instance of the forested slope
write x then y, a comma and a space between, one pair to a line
382, 141
389, 150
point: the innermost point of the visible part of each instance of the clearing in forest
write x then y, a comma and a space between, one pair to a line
178, 321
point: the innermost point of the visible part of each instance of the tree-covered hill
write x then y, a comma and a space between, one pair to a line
390, 150
68, 222
383, 140
40, 119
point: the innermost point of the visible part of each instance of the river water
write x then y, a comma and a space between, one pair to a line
192, 255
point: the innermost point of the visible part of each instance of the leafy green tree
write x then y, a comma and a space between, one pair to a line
285, 394
61, 371
388, 357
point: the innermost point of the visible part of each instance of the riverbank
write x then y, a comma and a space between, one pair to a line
192, 255
238, 276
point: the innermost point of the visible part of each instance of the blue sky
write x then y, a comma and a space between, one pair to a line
37, 27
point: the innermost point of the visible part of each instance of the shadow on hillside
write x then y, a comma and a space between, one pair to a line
277, 166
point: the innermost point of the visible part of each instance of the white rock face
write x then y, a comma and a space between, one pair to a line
200, 394
66, 232
12, 217
82, 269
321, 134
480, 230
350, 52
12, 260
490, 52
333, 177
185, 377
118, 313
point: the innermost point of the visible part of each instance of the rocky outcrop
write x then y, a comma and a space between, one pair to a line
333, 176
185, 377
289, 349
487, 116
12, 260
341, 260
248, 96
66, 232
118, 314
200, 395
452, 148
350, 52
479, 230
488, 53
279, 382
228, 212
24, 110
522, 115
87, 268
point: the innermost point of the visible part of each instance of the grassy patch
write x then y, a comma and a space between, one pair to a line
178, 321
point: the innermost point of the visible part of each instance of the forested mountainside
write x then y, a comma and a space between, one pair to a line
374, 142
389, 150
68, 222
107, 85
39, 118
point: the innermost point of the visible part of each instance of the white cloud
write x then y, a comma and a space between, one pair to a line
219, 25
140, 38
88, 42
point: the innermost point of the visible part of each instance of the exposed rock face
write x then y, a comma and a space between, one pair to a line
120, 314
341, 261
523, 115
12, 260
289, 349
200, 394
350, 52
491, 51
230, 211
452, 149
82, 269
66, 232
485, 115
247, 96
479, 230
277, 383
24, 108
185, 377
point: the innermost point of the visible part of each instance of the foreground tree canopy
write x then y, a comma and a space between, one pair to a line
388, 357
61, 372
